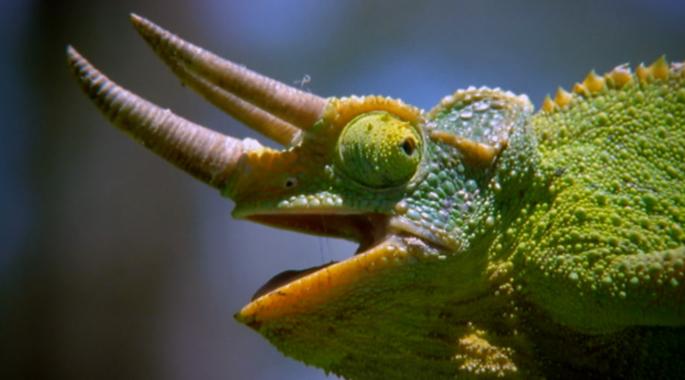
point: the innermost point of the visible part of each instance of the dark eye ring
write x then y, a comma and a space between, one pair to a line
290, 183
409, 146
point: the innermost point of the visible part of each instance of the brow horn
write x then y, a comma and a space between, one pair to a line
208, 155
233, 87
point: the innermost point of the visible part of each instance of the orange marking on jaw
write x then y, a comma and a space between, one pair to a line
320, 287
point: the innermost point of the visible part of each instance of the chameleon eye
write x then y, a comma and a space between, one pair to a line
379, 150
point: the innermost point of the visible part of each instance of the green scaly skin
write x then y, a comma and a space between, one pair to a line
564, 257
494, 241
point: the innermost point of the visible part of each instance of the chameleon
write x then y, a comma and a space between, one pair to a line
495, 241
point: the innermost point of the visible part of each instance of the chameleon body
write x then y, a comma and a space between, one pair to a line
494, 241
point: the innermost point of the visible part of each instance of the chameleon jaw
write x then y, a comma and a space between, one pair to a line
366, 229
383, 246
318, 286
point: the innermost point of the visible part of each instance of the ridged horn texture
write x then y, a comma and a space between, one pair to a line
267, 105
206, 154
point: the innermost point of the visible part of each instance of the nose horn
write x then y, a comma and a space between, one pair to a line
208, 155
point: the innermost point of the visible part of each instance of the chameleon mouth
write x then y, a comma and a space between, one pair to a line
366, 229
362, 228
384, 244
303, 292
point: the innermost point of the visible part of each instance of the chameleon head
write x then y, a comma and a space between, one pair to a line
369, 169
341, 177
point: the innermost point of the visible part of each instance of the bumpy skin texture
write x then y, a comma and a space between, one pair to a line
494, 241
562, 256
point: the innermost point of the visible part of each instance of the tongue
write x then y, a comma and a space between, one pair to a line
286, 277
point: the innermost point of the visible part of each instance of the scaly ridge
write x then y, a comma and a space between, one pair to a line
340, 111
473, 94
615, 79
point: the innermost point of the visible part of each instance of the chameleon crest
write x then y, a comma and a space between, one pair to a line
489, 235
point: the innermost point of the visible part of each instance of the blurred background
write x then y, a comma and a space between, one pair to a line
115, 265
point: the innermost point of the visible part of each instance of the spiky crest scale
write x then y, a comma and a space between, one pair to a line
616, 79
619, 77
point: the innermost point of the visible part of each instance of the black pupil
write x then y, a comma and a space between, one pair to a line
408, 146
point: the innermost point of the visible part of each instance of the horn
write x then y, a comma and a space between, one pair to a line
208, 155
263, 122
299, 108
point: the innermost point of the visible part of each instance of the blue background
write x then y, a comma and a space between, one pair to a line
115, 265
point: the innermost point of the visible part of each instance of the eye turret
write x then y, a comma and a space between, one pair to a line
379, 150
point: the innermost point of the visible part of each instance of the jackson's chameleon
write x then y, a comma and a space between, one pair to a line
493, 241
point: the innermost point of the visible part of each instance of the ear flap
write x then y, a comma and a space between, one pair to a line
477, 122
